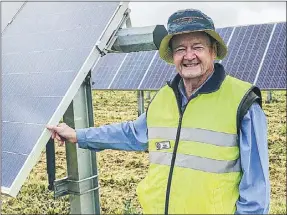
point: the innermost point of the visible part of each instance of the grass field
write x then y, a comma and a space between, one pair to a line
121, 171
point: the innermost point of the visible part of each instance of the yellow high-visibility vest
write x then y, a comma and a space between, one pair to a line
194, 157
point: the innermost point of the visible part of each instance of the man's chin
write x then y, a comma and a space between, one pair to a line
190, 75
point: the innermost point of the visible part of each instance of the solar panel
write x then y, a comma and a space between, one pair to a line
246, 50
46, 56
273, 72
105, 71
157, 75
132, 70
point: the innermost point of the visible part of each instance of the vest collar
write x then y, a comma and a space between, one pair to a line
212, 85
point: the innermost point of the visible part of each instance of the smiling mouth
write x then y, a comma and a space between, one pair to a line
190, 64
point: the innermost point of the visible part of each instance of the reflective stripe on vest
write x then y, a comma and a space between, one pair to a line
195, 162
194, 134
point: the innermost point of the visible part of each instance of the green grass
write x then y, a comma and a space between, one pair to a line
120, 171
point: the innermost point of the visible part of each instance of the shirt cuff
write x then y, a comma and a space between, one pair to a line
81, 138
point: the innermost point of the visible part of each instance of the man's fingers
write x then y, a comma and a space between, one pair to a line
53, 135
59, 132
51, 129
57, 128
57, 137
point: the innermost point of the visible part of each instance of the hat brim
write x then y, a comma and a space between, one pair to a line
166, 54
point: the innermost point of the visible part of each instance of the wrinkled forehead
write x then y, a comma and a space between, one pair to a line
189, 38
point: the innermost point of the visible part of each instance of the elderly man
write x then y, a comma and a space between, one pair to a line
205, 131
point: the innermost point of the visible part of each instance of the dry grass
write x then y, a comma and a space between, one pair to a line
121, 171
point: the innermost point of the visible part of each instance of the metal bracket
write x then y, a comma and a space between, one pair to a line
102, 53
67, 186
103, 48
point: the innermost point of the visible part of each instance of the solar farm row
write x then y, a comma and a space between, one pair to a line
256, 53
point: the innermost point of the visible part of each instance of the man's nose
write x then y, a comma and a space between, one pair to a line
190, 54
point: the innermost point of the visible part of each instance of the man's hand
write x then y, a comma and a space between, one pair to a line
63, 132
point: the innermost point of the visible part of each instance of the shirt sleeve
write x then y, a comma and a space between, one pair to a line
128, 136
254, 188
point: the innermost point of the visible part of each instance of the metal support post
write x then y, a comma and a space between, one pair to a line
91, 124
82, 178
148, 95
269, 96
140, 102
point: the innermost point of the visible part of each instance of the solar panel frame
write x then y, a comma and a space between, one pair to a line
113, 21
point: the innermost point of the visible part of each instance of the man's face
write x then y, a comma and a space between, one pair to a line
193, 55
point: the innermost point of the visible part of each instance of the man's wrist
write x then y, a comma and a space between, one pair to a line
81, 137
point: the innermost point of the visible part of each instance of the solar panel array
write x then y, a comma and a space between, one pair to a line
43, 50
246, 59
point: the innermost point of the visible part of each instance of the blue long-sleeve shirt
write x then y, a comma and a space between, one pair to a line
254, 188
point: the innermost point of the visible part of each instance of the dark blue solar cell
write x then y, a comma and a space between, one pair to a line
39, 84
11, 165
157, 75
19, 108
13, 129
246, 50
273, 71
106, 69
132, 70
26, 109
26, 135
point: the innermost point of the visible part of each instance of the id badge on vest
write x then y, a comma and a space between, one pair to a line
163, 145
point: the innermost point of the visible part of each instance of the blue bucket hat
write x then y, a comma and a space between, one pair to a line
187, 21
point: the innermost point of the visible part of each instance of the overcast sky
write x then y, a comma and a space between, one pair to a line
224, 14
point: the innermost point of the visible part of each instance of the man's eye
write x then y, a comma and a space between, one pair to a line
180, 49
198, 48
